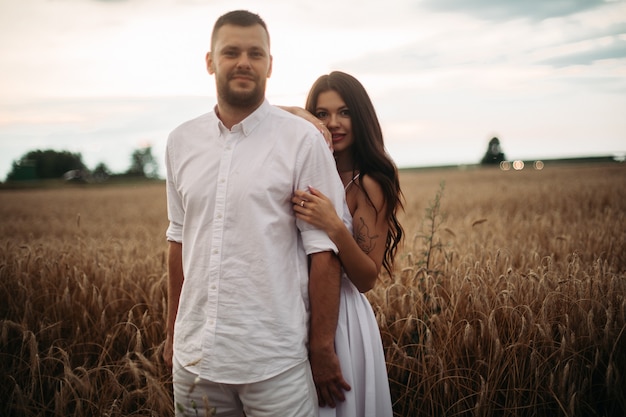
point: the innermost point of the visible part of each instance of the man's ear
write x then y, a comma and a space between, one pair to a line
269, 71
209, 63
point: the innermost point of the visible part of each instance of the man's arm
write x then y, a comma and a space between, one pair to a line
174, 285
324, 293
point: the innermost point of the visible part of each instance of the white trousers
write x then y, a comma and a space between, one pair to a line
289, 394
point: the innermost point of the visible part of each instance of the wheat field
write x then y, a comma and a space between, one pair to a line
508, 297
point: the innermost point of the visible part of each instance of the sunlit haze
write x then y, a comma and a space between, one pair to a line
103, 78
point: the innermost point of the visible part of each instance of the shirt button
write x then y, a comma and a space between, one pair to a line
215, 251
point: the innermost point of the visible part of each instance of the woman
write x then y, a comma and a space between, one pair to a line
373, 196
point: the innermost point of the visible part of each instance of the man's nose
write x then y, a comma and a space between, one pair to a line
244, 61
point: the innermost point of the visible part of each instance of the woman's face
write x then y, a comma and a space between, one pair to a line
332, 110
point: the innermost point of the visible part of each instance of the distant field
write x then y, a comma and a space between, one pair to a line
508, 298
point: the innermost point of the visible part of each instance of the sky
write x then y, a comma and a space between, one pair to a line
107, 77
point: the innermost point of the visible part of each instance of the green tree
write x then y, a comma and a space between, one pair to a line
45, 165
101, 172
143, 164
494, 154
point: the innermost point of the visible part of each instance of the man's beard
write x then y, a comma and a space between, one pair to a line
241, 99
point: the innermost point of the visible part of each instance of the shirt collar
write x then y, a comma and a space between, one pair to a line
248, 124
252, 121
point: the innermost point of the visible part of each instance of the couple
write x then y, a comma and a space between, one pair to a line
269, 253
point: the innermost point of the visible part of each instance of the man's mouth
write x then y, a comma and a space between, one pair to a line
240, 76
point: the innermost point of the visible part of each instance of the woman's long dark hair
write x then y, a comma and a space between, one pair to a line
368, 150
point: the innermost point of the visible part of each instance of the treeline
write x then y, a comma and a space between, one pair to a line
52, 164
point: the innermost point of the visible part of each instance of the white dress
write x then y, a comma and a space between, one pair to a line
360, 351
361, 356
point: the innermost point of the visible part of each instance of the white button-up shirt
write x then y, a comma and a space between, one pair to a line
243, 312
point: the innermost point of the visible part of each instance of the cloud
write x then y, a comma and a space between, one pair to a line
594, 27
511, 50
102, 130
613, 48
531, 70
504, 10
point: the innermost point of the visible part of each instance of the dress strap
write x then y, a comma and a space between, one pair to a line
351, 181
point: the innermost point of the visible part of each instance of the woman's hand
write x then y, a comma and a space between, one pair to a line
319, 125
316, 209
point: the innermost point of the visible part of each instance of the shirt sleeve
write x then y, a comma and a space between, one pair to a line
317, 168
175, 210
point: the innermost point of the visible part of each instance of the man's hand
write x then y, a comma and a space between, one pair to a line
175, 279
168, 351
329, 382
324, 295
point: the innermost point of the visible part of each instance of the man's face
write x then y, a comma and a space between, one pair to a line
241, 62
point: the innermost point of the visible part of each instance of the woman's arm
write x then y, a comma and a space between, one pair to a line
361, 253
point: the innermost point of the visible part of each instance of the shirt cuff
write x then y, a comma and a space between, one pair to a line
317, 241
174, 232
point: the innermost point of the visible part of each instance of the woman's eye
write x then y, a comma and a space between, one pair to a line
321, 114
345, 113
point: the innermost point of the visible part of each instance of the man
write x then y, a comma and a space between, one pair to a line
240, 285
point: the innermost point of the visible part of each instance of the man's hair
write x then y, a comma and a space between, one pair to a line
241, 18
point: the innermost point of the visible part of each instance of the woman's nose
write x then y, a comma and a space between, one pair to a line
333, 120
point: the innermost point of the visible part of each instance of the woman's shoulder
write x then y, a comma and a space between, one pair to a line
371, 188
370, 184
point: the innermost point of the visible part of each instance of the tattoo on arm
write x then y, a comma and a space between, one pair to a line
362, 236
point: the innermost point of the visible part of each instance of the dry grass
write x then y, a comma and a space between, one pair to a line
83, 275
520, 309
